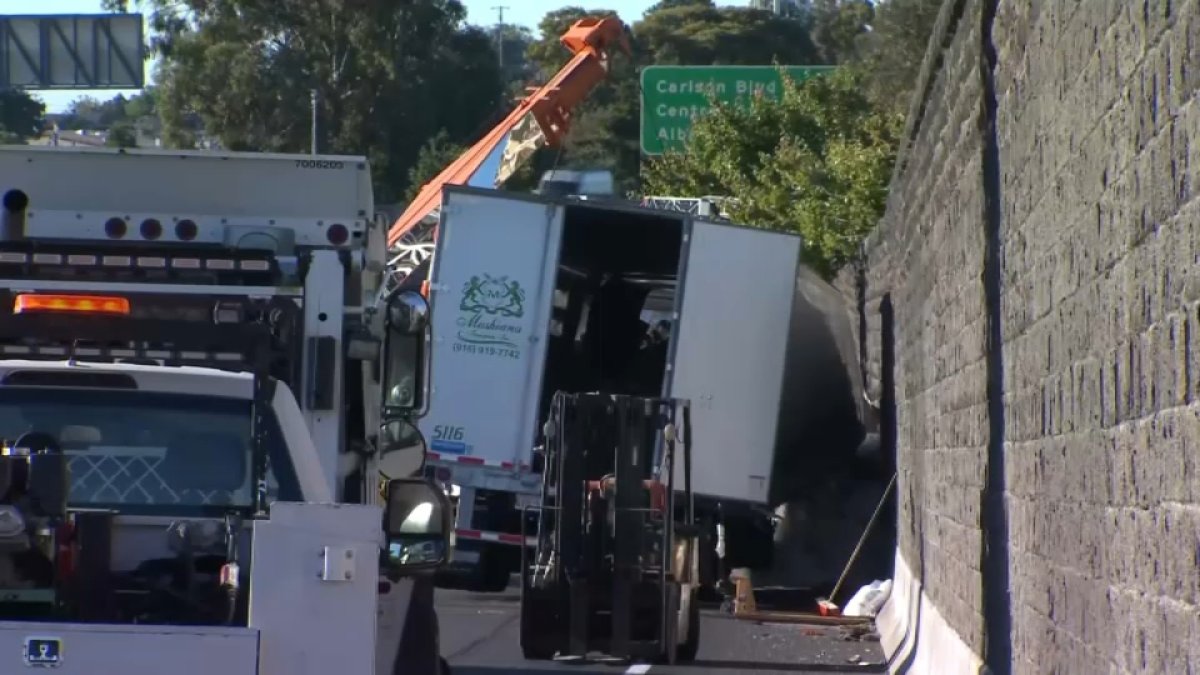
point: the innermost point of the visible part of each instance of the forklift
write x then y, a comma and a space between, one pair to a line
615, 568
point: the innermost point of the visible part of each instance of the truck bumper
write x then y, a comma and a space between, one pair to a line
105, 649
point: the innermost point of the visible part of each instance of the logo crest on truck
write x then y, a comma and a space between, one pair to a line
491, 307
493, 295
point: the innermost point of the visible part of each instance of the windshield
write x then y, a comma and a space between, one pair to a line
143, 452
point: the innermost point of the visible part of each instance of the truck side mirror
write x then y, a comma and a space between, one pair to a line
405, 351
417, 521
402, 448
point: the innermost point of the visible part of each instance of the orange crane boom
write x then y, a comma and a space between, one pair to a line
549, 107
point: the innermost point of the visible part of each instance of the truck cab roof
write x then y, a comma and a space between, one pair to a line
153, 378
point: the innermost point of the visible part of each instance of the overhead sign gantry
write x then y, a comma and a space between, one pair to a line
72, 51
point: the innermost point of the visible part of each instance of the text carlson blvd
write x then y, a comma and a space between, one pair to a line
673, 96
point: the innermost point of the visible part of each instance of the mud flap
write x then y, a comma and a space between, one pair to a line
420, 645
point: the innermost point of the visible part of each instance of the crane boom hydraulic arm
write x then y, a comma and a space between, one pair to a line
542, 117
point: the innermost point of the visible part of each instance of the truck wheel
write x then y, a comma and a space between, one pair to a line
495, 574
686, 652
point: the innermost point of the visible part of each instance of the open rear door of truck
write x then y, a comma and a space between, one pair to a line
736, 309
491, 291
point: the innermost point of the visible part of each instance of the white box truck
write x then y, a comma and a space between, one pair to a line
532, 295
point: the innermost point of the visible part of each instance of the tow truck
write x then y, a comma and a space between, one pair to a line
209, 460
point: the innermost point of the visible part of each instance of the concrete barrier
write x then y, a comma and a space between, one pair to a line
915, 636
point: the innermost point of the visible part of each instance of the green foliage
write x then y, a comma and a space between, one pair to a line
21, 115
142, 105
702, 34
438, 153
670, 4
88, 112
892, 52
838, 27
605, 129
406, 82
388, 76
122, 135
546, 53
817, 162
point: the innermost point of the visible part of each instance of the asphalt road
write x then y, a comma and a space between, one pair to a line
480, 635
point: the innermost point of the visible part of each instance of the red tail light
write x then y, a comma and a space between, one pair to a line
115, 228
151, 229
337, 234
186, 230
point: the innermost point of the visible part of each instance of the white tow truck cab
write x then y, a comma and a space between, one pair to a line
192, 425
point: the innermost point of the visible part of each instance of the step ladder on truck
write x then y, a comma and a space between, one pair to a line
208, 411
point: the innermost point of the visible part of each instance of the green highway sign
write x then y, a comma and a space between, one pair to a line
673, 95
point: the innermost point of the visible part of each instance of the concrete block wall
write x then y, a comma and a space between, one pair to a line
1093, 107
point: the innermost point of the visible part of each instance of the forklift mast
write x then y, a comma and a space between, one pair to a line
614, 570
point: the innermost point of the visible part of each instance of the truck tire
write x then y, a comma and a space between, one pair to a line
535, 644
686, 652
494, 573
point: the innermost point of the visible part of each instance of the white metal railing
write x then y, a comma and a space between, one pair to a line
708, 206
403, 259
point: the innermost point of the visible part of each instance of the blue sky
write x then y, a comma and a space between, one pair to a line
524, 12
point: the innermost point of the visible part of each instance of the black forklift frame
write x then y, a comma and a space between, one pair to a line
570, 462
57, 336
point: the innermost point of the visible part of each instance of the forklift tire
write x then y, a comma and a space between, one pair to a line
687, 651
494, 575
536, 653
535, 648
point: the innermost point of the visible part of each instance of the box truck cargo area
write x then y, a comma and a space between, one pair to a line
610, 266
533, 295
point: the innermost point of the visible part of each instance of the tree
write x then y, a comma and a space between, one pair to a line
702, 34
596, 140
891, 53
670, 4
514, 41
838, 26
89, 112
388, 76
546, 53
816, 161
142, 105
694, 32
122, 135
437, 153
21, 115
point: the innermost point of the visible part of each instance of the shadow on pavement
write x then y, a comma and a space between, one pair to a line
509, 670
750, 666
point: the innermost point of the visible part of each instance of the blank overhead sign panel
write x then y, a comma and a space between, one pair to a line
72, 51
